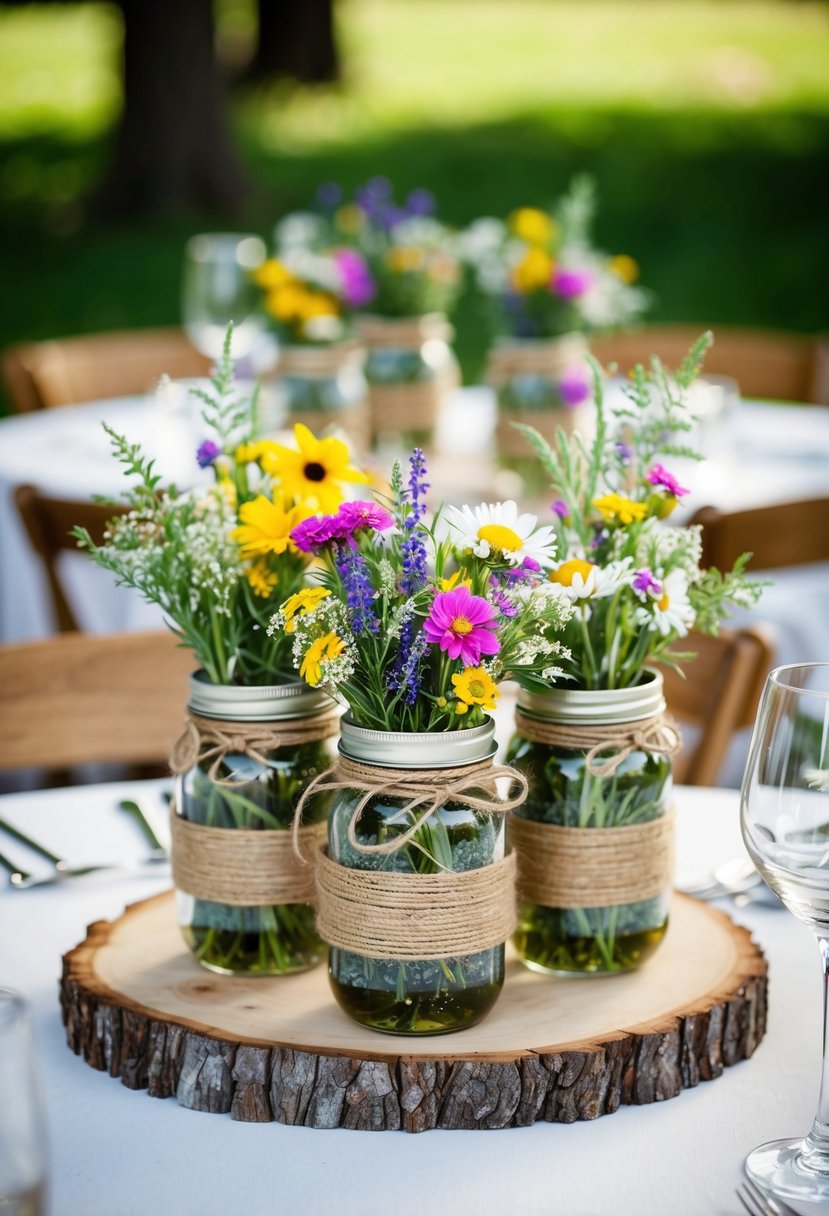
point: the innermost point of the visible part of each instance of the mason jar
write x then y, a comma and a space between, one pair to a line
323, 387
235, 933
601, 904
410, 368
428, 995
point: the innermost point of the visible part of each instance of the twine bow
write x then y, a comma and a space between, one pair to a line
212, 739
658, 734
426, 788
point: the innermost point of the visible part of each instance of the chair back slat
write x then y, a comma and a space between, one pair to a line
784, 534
83, 699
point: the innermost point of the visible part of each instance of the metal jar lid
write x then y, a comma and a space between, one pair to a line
254, 702
599, 706
421, 749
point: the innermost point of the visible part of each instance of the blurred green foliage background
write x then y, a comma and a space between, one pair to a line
704, 122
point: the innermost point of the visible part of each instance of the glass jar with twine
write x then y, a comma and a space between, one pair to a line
594, 839
410, 368
323, 387
415, 895
244, 759
541, 382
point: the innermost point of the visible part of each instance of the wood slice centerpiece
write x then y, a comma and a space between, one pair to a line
138, 1006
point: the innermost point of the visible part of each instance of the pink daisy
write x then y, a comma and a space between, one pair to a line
464, 626
659, 476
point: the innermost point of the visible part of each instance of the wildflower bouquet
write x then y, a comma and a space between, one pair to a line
634, 580
599, 756
414, 632
219, 560
306, 295
543, 275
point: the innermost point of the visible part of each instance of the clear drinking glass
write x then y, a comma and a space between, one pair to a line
784, 812
22, 1133
218, 287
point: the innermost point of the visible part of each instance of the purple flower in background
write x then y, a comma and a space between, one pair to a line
571, 283
574, 387
560, 508
357, 283
644, 583
359, 591
379, 187
599, 539
420, 202
329, 195
390, 215
531, 565
313, 534
504, 604
207, 452
659, 476
623, 451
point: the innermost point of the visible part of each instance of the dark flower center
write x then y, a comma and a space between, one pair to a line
314, 471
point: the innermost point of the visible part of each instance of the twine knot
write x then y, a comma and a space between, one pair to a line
204, 740
659, 735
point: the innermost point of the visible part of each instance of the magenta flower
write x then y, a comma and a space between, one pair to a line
313, 534
659, 476
645, 584
356, 516
358, 286
571, 283
560, 508
574, 387
463, 625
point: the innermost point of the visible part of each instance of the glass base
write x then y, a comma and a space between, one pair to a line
777, 1168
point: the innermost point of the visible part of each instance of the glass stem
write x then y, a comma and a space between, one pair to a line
815, 1151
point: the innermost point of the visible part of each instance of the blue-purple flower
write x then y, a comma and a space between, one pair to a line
207, 452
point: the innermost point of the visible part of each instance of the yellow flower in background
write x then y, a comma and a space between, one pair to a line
569, 571
284, 303
326, 647
626, 267
446, 584
318, 304
350, 218
315, 471
404, 257
616, 506
261, 579
533, 225
474, 686
272, 274
265, 527
303, 602
533, 271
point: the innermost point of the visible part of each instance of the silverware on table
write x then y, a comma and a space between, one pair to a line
736, 879
135, 809
22, 880
760, 1203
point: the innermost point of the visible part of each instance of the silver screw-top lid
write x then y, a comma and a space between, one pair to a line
254, 702
599, 706
421, 749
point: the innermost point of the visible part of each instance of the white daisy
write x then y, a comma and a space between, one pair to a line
672, 613
498, 528
582, 580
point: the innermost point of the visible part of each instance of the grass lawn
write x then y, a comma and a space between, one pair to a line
706, 125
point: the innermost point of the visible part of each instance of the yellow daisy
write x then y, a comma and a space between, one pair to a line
474, 686
261, 579
265, 527
326, 647
272, 274
616, 506
532, 225
314, 472
626, 267
298, 605
534, 271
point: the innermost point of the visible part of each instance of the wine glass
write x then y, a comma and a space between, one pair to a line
218, 287
22, 1136
784, 815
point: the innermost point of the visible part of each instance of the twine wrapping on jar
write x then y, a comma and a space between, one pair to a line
411, 405
540, 358
243, 867
562, 867
319, 362
385, 914
212, 739
403, 333
658, 734
415, 916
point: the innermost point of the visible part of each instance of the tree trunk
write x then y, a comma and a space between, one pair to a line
296, 39
173, 148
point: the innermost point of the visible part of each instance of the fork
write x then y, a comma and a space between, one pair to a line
760, 1203
22, 880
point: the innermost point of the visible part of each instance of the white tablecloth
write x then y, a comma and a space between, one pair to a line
116, 1152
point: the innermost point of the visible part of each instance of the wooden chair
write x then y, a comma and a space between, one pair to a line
718, 696
66, 371
765, 363
83, 699
48, 523
784, 534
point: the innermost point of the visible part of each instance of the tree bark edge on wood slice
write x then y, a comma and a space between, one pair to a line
325, 1087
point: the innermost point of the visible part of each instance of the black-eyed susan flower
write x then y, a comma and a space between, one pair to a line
315, 471
474, 686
